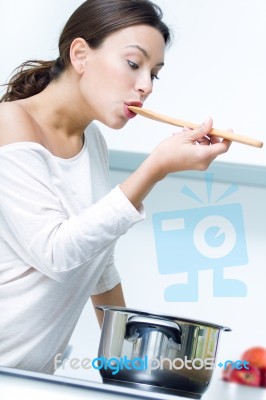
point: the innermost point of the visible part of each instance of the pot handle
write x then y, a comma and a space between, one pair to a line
102, 308
140, 323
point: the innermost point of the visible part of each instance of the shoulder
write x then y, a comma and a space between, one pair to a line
96, 140
94, 132
16, 125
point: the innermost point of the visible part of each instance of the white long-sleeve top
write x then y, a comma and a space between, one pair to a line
59, 223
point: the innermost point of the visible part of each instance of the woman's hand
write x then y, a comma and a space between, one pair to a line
186, 150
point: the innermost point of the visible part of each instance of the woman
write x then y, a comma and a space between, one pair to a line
59, 219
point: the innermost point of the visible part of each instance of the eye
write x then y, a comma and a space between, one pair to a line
132, 64
153, 76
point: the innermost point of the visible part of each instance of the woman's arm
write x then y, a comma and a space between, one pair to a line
186, 150
35, 223
113, 297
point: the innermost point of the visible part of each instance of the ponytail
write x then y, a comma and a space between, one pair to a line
31, 78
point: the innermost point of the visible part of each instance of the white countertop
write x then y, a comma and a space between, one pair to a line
24, 385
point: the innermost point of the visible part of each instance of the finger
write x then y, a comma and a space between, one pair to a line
215, 139
205, 141
185, 129
202, 130
219, 148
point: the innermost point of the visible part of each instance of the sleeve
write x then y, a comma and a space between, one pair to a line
36, 227
109, 279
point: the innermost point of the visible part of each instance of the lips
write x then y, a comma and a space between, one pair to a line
130, 114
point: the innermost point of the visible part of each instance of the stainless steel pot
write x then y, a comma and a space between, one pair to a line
157, 352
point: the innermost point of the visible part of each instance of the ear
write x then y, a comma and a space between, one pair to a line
78, 54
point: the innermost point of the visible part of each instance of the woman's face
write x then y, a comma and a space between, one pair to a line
121, 73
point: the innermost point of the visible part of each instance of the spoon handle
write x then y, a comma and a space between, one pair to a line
178, 122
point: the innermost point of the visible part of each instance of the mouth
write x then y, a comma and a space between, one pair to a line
128, 113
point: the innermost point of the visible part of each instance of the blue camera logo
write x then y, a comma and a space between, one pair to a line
192, 240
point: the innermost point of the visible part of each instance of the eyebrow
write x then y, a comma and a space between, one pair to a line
144, 52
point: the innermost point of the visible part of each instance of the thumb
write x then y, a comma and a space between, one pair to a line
203, 129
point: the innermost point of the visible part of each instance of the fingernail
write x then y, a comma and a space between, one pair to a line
207, 120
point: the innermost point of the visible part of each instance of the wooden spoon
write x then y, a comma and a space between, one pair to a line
177, 122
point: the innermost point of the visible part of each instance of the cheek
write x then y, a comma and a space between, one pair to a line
105, 80
115, 73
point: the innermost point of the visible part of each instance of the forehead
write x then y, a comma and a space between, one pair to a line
139, 36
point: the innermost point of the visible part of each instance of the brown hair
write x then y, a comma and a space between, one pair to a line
93, 21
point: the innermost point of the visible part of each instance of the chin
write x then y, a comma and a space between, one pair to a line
116, 125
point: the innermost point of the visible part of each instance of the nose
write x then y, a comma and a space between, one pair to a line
144, 86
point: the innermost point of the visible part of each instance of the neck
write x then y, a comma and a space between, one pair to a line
59, 116
58, 108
